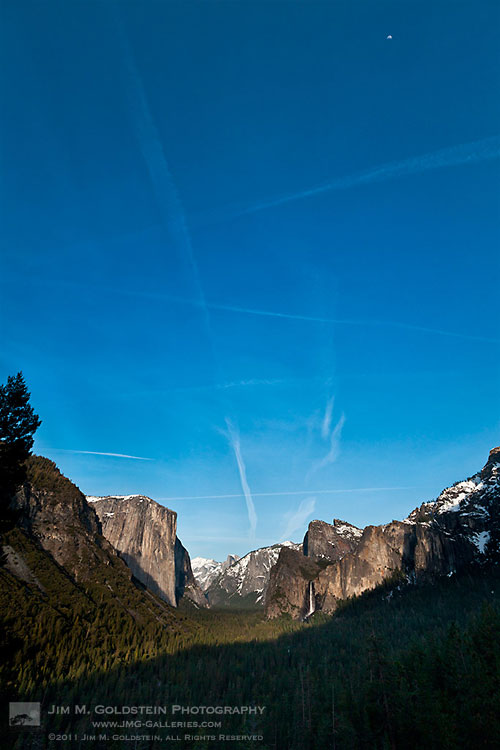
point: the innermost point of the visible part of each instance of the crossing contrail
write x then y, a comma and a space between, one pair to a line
174, 218
281, 494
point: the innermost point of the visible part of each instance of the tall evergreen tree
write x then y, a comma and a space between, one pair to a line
18, 424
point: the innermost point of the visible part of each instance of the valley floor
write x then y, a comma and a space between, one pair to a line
419, 667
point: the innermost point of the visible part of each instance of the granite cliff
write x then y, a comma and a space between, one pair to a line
438, 538
145, 534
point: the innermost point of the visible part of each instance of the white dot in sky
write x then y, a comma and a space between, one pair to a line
389, 36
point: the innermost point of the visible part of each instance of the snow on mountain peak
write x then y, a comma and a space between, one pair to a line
206, 570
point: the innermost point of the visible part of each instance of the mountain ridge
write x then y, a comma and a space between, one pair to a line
244, 583
206, 570
460, 527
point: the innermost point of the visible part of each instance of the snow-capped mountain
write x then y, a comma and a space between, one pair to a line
205, 570
244, 583
458, 529
450, 499
469, 509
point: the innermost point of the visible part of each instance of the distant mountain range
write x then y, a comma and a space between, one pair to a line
131, 541
244, 582
206, 570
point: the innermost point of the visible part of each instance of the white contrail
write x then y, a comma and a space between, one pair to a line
255, 382
465, 153
347, 321
164, 187
289, 492
298, 519
234, 440
373, 322
99, 453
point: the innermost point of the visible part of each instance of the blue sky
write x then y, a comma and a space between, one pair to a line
257, 245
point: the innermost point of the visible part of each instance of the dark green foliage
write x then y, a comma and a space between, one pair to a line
18, 421
420, 669
18, 424
43, 474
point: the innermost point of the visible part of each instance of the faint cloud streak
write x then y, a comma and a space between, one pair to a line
298, 519
327, 419
332, 454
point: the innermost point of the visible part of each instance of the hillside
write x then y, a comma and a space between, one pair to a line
416, 669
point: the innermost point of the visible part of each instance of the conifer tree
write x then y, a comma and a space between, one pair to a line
18, 424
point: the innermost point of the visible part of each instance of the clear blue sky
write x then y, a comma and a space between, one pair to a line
175, 287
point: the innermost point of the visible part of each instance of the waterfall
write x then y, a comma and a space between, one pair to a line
312, 602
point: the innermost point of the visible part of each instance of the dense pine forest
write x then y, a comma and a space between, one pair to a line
418, 667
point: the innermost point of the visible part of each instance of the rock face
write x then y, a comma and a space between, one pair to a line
244, 583
440, 537
144, 533
54, 511
206, 570
331, 541
290, 583
186, 585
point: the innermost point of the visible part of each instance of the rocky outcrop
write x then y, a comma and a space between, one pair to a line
385, 551
437, 538
144, 533
289, 582
186, 585
469, 510
52, 509
331, 541
244, 583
